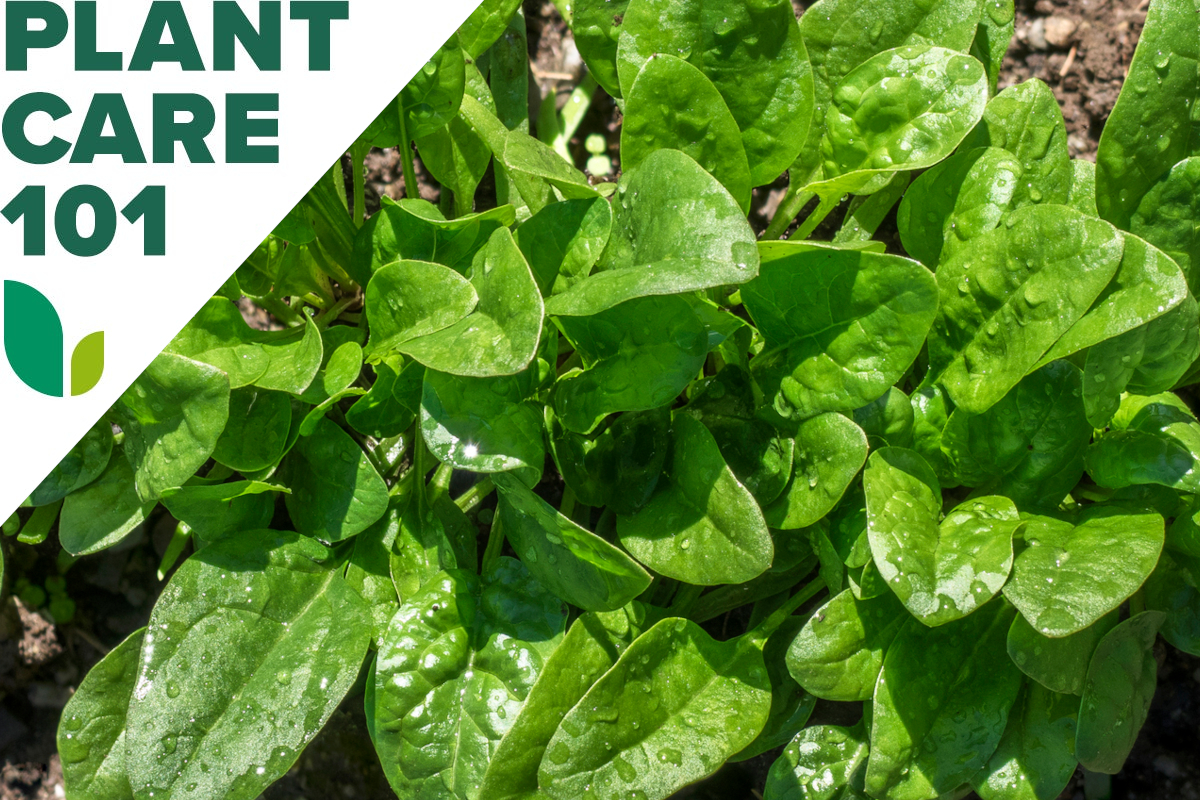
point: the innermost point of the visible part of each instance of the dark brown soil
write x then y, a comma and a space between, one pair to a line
1080, 47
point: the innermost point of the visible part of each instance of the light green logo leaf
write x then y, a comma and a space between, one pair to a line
33, 343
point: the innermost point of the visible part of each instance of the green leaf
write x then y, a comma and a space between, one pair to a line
1008, 296
673, 105
662, 739
393, 402
887, 421
414, 230
410, 299
104, 512
485, 25
573, 563
596, 25
1156, 440
931, 412
172, 417
842, 326
702, 526
264, 624
1071, 573
675, 230
752, 52
563, 241
829, 452
1173, 590
370, 570
590, 648
835, 53
1146, 360
791, 706
1152, 126
940, 572
993, 36
1082, 196
256, 436
1036, 756
1058, 664
431, 99
284, 361
903, 109
78, 468
819, 764
1029, 446
839, 652
216, 511
457, 158
336, 491
638, 356
482, 424
941, 705
1026, 121
501, 335
1165, 215
1116, 698
621, 466
91, 731
456, 666
957, 200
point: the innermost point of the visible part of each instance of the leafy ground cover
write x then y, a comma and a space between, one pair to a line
680, 422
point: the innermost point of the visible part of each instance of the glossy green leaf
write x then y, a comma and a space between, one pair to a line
1174, 589
78, 468
841, 326
941, 572
1060, 665
172, 417
227, 719
393, 401
1152, 126
903, 109
256, 435
336, 491
590, 648
485, 25
596, 25
563, 241
431, 99
957, 200
702, 527
1008, 296
1156, 441
573, 563
839, 652
421, 550
1165, 217
819, 764
931, 412
674, 707
219, 510
675, 230
369, 572
1069, 574
836, 45
414, 230
638, 356
1116, 698
887, 421
941, 705
458, 159
829, 452
1082, 196
410, 299
673, 105
456, 666
1036, 756
1029, 446
501, 335
1026, 121
752, 52
91, 731
104, 512
993, 36
791, 706
482, 424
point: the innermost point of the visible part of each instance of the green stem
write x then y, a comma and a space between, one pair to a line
37, 528
358, 157
572, 115
685, 599
469, 500
440, 484
1137, 603
772, 623
411, 190
11, 525
178, 542
331, 314
818, 216
495, 544
567, 507
789, 208
281, 310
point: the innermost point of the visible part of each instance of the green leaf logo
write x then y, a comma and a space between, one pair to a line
33, 343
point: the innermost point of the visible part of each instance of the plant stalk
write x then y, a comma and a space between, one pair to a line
358, 157
411, 190
789, 208
495, 544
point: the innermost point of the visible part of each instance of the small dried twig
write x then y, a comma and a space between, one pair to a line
91, 640
1143, 5
552, 76
1070, 62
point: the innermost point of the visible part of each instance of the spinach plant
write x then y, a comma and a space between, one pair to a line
545, 473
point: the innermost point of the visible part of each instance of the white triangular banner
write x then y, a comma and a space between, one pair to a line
216, 214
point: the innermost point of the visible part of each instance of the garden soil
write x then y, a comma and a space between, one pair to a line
1081, 48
